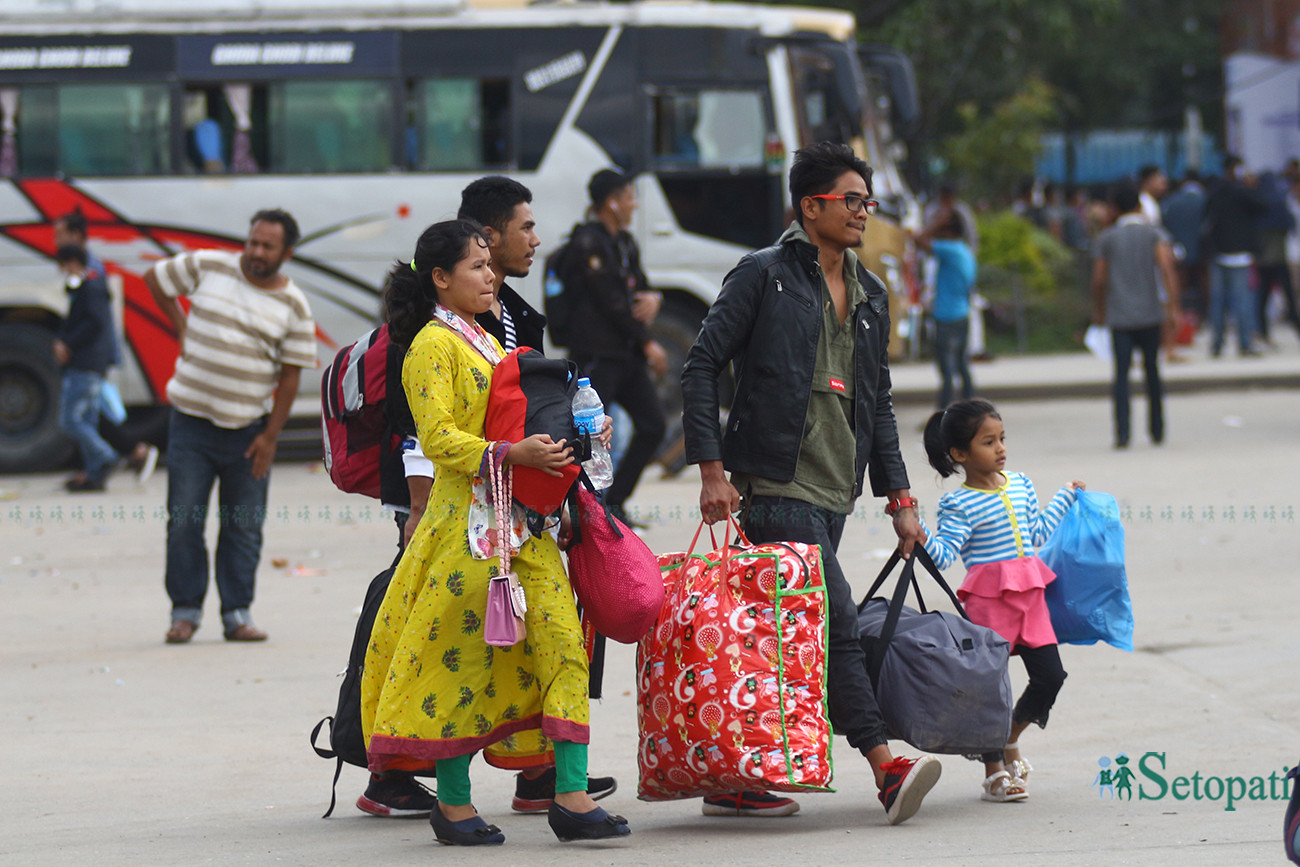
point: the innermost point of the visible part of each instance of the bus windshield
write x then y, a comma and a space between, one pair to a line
829, 91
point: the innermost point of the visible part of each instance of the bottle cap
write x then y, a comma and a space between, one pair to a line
584, 381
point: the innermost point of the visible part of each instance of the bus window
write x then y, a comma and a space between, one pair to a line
205, 136
708, 148
330, 126
462, 123
95, 129
709, 129
37, 132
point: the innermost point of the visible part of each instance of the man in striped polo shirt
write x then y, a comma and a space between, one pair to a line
247, 337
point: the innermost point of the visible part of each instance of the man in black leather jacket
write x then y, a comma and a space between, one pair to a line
806, 329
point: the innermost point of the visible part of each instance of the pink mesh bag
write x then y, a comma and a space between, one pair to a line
614, 574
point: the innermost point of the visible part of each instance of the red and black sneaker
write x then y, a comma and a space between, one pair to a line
536, 795
749, 804
907, 782
396, 796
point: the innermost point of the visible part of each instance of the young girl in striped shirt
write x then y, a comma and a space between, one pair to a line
993, 522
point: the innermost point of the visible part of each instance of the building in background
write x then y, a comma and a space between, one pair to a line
1261, 47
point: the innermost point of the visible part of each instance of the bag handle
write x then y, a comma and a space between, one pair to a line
918, 553
908, 577
731, 524
502, 490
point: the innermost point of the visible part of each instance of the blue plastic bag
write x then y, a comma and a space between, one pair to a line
1089, 599
110, 403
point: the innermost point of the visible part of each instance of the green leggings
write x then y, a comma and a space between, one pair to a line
570, 773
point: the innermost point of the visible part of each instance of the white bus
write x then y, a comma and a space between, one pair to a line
168, 124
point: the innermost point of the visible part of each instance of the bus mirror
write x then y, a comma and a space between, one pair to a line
896, 69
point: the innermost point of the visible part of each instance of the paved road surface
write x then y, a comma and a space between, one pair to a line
122, 750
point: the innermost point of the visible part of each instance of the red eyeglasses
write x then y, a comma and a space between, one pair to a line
852, 202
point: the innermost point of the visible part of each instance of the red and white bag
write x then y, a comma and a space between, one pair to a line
355, 435
731, 682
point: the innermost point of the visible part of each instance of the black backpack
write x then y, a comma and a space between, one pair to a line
347, 743
558, 299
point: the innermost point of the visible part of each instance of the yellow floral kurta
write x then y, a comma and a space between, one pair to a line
432, 688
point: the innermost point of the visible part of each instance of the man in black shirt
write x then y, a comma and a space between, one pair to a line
85, 347
1232, 214
503, 206
612, 310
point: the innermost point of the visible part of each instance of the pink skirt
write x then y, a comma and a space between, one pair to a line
1007, 597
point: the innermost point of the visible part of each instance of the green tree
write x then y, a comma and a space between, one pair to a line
995, 149
1108, 63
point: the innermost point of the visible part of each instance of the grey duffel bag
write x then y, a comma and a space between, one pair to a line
941, 680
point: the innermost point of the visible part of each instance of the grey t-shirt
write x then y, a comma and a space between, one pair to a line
1134, 294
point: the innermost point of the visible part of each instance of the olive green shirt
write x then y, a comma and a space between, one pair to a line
826, 471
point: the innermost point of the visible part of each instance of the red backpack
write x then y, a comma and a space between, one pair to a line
533, 394
355, 434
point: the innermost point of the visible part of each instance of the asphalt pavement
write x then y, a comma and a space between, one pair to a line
120, 749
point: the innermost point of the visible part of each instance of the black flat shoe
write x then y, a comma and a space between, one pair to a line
469, 832
595, 825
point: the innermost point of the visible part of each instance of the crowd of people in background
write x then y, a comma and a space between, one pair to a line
1235, 238
1159, 262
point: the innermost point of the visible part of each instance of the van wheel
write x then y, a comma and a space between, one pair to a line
30, 436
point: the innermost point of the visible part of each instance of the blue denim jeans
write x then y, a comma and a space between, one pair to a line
199, 455
1230, 288
950, 354
850, 698
79, 416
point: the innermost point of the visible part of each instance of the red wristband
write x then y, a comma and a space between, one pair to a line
900, 503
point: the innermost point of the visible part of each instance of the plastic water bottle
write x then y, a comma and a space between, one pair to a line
589, 418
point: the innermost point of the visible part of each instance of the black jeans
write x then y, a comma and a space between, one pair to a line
627, 382
850, 697
1046, 675
1123, 342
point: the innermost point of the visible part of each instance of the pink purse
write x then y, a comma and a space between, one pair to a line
504, 622
615, 576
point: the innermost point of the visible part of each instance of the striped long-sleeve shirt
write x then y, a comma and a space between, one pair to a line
985, 526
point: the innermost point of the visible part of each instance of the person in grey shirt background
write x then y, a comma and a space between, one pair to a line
1129, 299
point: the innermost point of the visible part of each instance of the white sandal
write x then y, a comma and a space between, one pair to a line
1019, 768
998, 788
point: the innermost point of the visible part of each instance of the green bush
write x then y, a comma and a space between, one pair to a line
1036, 287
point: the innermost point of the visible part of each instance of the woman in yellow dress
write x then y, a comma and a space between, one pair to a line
433, 691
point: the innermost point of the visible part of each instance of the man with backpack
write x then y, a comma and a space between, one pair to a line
609, 308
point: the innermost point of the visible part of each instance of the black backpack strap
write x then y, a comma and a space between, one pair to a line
328, 754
